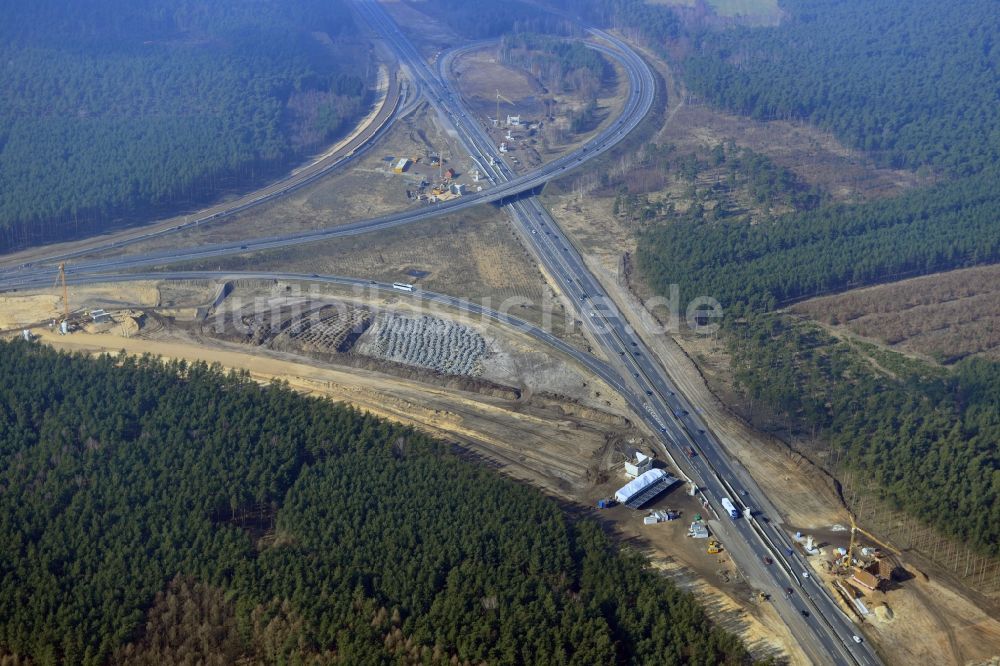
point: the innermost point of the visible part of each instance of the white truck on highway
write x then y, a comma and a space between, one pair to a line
402, 286
728, 506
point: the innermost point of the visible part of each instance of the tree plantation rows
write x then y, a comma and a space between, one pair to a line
926, 438
113, 111
913, 85
156, 513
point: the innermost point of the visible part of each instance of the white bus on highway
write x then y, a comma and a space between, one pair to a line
402, 286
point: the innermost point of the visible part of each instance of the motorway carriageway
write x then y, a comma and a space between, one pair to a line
828, 642
641, 91
827, 636
398, 103
371, 287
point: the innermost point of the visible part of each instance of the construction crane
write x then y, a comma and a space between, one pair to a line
499, 98
849, 558
65, 291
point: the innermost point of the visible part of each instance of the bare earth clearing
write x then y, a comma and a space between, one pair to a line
929, 610
474, 255
479, 76
429, 36
933, 620
815, 156
564, 433
368, 189
531, 414
945, 316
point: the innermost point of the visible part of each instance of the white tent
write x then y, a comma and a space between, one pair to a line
638, 484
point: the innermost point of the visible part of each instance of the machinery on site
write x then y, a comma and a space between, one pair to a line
850, 558
64, 325
496, 122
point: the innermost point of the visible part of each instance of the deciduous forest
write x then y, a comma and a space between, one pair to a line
157, 513
113, 110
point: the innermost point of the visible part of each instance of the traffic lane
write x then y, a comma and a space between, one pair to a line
813, 597
738, 536
757, 552
601, 369
298, 179
514, 187
821, 645
564, 286
812, 591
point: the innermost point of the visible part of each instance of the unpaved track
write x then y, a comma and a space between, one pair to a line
550, 449
797, 490
559, 453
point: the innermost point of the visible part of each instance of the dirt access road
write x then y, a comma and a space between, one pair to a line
933, 621
565, 446
563, 454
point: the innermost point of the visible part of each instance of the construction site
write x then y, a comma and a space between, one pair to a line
551, 425
528, 412
428, 180
508, 401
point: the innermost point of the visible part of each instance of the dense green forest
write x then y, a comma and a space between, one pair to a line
158, 513
911, 83
826, 249
915, 86
115, 109
480, 19
925, 437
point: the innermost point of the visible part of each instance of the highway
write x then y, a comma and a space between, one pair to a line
398, 102
371, 287
637, 105
825, 633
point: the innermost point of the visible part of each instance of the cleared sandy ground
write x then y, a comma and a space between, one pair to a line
559, 435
